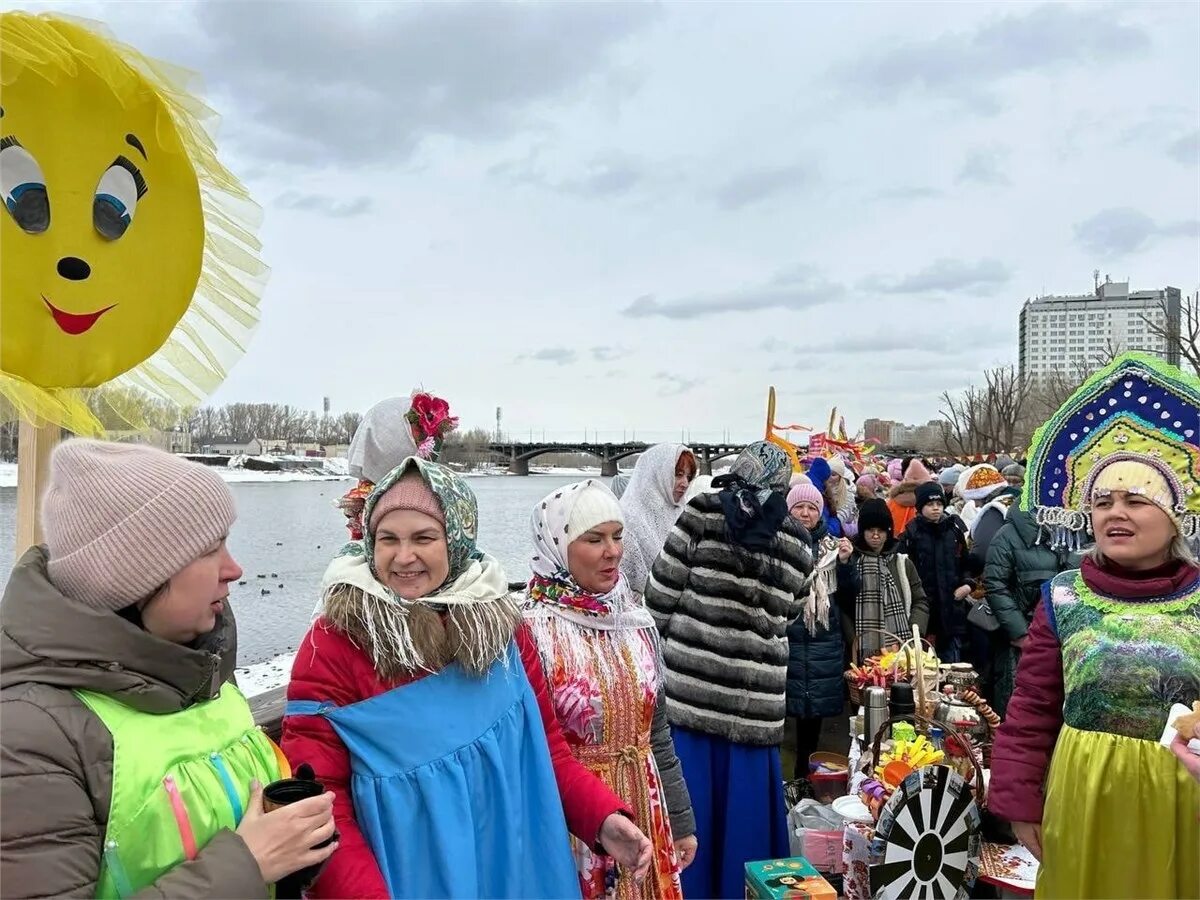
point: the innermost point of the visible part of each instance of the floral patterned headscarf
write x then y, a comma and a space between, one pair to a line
469, 618
457, 501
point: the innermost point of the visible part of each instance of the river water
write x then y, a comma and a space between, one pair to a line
287, 532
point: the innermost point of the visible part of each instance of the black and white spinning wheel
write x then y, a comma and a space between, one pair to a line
927, 841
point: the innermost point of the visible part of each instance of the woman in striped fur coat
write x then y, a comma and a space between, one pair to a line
733, 574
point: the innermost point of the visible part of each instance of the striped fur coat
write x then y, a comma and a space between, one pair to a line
723, 613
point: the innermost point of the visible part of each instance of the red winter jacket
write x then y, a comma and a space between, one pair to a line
329, 667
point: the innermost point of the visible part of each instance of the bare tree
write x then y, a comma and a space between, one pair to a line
958, 430
987, 419
348, 424
1184, 334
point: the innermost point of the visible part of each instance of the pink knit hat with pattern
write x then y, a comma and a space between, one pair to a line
121, 519
410, 492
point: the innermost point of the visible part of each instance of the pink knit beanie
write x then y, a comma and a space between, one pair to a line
410, 492
121, 519
805, 493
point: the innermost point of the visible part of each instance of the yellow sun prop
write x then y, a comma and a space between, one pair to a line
127, 250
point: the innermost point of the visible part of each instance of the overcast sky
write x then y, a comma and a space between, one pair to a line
627, 216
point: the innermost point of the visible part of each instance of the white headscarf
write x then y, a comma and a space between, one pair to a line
382, 441
560, 612
650, 510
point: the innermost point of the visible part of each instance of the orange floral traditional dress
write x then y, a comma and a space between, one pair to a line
602, 669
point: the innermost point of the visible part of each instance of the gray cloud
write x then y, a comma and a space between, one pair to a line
797, 290
613, 175
559, 356
949, 276
1185, 150
608, 354
983, 166
756, 185
366, 85
933, 348
964, 66
1122, 230
334, 207
674, 385
910, 193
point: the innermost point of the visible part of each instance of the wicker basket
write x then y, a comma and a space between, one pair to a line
923, 724
930, 676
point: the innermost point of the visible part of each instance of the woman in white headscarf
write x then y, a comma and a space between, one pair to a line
391, 431
651, 504
599, 650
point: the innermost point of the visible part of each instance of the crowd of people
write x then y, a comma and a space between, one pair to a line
614, 728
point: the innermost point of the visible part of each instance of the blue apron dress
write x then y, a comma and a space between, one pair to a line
453, 786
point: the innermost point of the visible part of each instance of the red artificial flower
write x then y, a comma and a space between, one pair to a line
432, 415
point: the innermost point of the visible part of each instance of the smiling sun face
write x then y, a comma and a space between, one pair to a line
102, 235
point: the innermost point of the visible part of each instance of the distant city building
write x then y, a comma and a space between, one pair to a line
879, 431
1063, 333
228, 447
886, 433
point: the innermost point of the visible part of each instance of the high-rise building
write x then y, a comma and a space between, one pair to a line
1067, 333
879, 431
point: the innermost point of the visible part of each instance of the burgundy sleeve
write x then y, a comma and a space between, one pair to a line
1025, 742
587, 801
329, 667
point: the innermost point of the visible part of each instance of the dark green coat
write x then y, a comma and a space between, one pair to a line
1017, 567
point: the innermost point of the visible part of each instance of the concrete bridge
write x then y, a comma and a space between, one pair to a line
519, 454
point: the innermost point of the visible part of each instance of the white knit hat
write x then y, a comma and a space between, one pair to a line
594, 506
121, 519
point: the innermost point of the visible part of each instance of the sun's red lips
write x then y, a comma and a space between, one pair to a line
73, 323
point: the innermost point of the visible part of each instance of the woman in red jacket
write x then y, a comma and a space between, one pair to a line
418, 698
1077, 766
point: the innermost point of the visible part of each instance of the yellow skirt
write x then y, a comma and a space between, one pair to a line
1121, 820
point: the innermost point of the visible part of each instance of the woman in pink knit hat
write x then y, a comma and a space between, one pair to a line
117, 654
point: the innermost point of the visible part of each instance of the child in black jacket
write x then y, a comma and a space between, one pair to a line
937, 544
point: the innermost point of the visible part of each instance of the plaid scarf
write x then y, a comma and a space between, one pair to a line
880, 605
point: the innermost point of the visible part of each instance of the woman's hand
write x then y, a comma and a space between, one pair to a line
685, 851
624, 842
845, 548
281, 840
1190, 760
962, 592
1030, 834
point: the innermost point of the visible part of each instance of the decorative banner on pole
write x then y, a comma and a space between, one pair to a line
775, 433
129, 269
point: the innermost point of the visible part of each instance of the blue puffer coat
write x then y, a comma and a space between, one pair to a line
816, 662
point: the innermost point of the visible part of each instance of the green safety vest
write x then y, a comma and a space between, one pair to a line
177, 780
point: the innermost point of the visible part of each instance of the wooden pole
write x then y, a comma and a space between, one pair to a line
770, 413
33, 471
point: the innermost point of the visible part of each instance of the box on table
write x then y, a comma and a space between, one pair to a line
794, 878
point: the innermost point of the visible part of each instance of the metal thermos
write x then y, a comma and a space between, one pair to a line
875, 712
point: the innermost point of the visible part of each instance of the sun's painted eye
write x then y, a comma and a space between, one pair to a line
117, 195
23, 187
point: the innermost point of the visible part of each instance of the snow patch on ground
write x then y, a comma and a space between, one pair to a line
265, 676
8, 475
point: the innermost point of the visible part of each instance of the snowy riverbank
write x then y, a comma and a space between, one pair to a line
265, 676
8, 474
